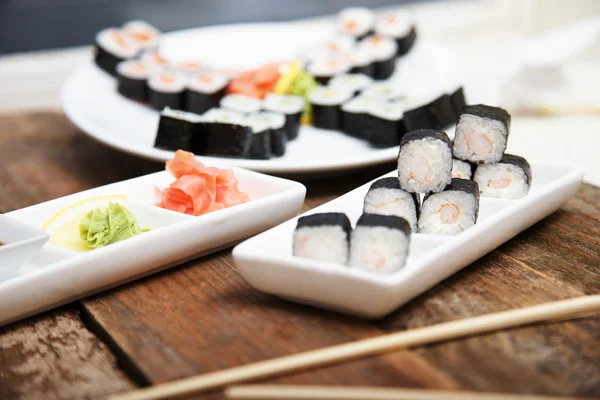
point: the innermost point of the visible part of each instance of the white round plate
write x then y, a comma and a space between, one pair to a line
89, 97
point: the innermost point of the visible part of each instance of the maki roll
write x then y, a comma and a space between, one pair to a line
383, 91
398, 27
383, 51
508, 179
278, 137
352, 82
357, 22
481, 134
175, 129
355, 119
289, 105
386, 197
451, 211
361, 61
204, 91
113, 46
457, 99
166, 89
425, 161
436, 114
325, 68
323, 237
225, 133
261, 137
379, 243
146, 36
338, 45
326, 103
132, 80
461, 169
386, 128
241, 103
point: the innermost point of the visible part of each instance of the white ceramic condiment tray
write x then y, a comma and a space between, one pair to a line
56, 276
266, 260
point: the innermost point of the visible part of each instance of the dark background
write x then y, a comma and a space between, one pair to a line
27, 25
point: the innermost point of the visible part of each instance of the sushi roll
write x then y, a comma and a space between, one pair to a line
508, 179
189, 67
461, 169
325, 68
435, 114
425, 161
361, 61
166, 89
383, 51
175, 129
352, 82
204, 91
225, 133
399, 27
278, 136
379, 243
338, 45
132, 79
357, 22
386, 197
323, 237
261, 137
457, 99
451, 211
113, 46
289, 105
143, 33
154, 60
355, 119
386, 127
326, 103
385, 91
481, 134
241, 103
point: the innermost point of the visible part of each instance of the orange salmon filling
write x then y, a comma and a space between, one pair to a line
141, 36
167, 79
119, 39
350, 25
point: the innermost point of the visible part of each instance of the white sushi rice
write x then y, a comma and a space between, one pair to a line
359, 104
378, 249
447, 213
382, 48
383, 91
183, 115
479, 139
425, 165
328, 96
327, 243
391, 111
272, 119
355, 21
387, 201
461, 169
224, 115
146, 35
241, 103
395, 25
501, 180
207, 83
282, 103
117, 43
133, 69
358, 57
329, 66
167, 82
257, 123
189, 67
353, 82
338, 44
154, 59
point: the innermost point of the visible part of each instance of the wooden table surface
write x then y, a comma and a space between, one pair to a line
202, 316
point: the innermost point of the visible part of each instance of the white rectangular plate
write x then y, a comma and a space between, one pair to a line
56, 276
266, 260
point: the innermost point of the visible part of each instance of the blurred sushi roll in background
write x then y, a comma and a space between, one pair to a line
175, 128
323, 237
452, 210
225, 134
482, 134
386, 197
338, 45
457, 99
278, 136
357, 22
325, 68
379, 243
386, 128
166, 89
154, 60
204, 91
146, 35
352, 82
425, 161
355, 118
435, 114
189, 67
111, 47
400, 27
383, 51
326, 106
289, 105
261, 137
508, 179
132, 77
241, 103
384, 91
461, 169
361, 61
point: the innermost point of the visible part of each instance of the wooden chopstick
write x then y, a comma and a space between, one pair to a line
297, 392
558, 310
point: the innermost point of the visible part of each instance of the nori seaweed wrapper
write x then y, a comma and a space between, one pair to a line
496, 113
199, 102
519, 162
406, 43
261, 145
425, 133
384, 69
388, 221
392, 182
105, 60
160, 100
326, 219
226, 140
437, 114
174, 134
326, 116
457, 99
136, 89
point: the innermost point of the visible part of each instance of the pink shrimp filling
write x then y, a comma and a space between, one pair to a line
499, 183
478, 143
449, 213
420, 170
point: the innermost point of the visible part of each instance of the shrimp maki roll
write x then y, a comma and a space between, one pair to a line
166, 89
326, 103
289, 105
357, 22
175, 129
452, 210
241, 103
435, 114
113, 46
146, 35
425, 161
508, 179
323, 237
400, 27
386, 197
325, 68
461, 169
132, 79
383, 51
379, 243
225, 134
482, 134
261, 137
204, 91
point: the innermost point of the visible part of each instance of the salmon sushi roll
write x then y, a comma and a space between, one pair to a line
166, 89
357, 22
400, 27
146, 35
113, 46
